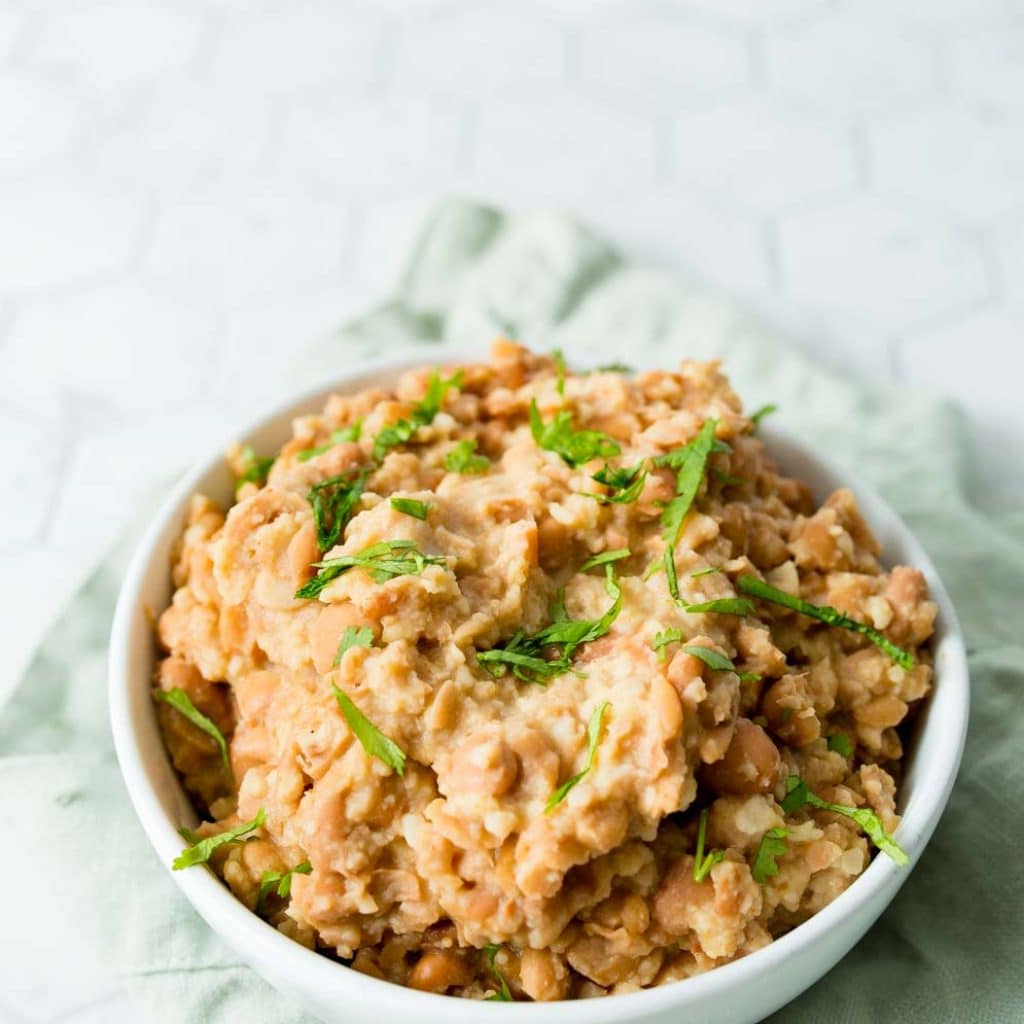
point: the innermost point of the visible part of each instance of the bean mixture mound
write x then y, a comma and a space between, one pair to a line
519, 683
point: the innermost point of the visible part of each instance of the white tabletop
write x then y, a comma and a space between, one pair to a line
191, 189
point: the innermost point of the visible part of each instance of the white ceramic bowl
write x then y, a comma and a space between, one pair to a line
740, 992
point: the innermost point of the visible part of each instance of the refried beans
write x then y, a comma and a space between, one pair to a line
515, 682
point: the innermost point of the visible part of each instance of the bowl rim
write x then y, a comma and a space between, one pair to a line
258, 941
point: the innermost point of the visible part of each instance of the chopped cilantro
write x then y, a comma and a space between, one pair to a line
707, 571
773, 844
254, 468
689, 462
661, 640
841, 744
412, 507
593, 737
625, 483
604, 558
371, 739
722, 606
718, 662
560, 370
279, 882
765, 410
423, 413
200, 850
525, 654
178, 699
824, 613
333, 501
702, 864
463, 459
576, 447
350, 433
799, 795
352, 637
383, 561
503, 995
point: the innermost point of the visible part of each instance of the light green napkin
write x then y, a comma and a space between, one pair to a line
89, 914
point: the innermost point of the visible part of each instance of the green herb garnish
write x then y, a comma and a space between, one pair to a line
279, 882
765, 410
351, 433
423, 413
352, 637
412, 507
576, 447
525, 654
372, 740
722, 606
200, 850
702, 864
383, 561
625, 484
718, 662
593, 737
503, 995
333, 501
773, 844
614, 368
463, 459
604, 558
182, 703
799, 795
664, 638
560, 370
841, 744
689, 462
254, 469
824, 613
708, 571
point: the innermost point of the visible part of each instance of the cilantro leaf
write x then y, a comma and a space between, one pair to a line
716, 661
722, 606
798, 795
333, 501
689, 462
664, 638
560, 370
423, 413
707, 571
604, 558
350, 433
614, 368
412, 507
525, 654
254, 468
576, 447
765, 410
824, 613
841, 744
773, 844
383, 561
371, 739
503, 995
178, 699
593, 738
702, 864
279, 882
463, 459
352, 637
200, 851
624, 482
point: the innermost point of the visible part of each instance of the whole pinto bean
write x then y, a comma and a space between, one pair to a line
439, 970
750, 763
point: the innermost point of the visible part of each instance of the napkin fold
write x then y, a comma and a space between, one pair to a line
94, 928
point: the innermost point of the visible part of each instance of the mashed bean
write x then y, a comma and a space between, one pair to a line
457, 870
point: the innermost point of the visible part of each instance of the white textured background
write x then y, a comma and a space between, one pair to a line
189, 190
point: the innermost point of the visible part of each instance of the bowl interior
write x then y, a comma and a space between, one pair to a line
162, 805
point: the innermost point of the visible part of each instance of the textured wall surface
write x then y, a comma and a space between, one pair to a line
190, 190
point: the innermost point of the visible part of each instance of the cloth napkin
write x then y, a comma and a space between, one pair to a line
95, 930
